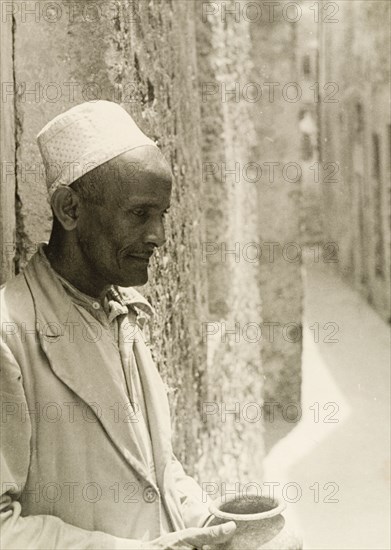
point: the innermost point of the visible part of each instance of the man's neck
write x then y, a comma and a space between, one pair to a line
68, 261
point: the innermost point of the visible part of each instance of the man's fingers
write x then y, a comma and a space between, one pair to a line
211, 535
194, 537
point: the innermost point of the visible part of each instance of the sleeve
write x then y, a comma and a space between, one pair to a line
195, 503
40, 531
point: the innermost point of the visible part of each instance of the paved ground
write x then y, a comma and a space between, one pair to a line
341, 447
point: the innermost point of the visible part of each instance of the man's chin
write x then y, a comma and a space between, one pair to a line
135, 279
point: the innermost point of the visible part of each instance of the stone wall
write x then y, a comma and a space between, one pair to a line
356, 134
234, 402
278, 153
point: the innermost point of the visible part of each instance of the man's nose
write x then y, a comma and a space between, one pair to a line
156, 234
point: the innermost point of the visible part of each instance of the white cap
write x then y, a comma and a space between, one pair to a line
85, 137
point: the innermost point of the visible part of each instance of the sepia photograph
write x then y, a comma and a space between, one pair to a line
195, 214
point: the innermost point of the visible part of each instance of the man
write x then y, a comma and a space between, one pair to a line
86, 446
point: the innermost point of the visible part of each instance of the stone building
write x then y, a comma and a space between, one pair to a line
356, 139
277, 152
172, 66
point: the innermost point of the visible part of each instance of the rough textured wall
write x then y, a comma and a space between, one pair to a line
233, 412
356, 133
7, 151
277, 124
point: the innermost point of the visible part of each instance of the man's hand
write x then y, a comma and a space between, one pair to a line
200, 538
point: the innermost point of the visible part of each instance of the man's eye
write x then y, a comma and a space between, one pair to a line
138, 212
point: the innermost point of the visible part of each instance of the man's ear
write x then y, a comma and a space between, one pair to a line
66, 206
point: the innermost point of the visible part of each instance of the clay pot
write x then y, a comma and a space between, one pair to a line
260, 524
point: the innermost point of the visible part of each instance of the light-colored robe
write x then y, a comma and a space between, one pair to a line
72, 472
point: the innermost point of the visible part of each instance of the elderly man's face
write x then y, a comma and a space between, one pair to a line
118, 237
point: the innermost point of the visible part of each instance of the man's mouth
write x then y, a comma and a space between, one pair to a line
139, 257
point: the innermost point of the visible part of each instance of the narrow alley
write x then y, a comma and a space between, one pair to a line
345, 404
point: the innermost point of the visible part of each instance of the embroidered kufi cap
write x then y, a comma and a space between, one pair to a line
85, 137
